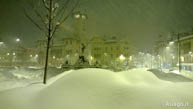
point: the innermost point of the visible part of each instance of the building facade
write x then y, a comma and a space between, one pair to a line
98, 50
172, 52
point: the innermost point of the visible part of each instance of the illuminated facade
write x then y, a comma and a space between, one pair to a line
187, 52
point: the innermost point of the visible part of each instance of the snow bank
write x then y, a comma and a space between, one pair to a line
11, 77
101, 89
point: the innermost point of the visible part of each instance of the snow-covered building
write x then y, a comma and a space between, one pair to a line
168, 52
107, 50
186, 44
103, 50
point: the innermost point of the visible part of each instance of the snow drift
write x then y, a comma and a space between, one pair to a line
100, 89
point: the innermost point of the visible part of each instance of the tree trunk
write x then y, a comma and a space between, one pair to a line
48, 43
46, 63
179, 53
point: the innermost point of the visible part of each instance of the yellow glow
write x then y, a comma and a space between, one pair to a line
36, 55
91, 58
182, 58
171, 42
122, 58
77, 16
17, 40
167, 48
130, 58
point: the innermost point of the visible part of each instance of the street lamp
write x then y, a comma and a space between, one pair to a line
179, 51
36, 55
17, 40
167, 48
131, 58
79, 15
122, 58
1, 43
171, 43
91, 58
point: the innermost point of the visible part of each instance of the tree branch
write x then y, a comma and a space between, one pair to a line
31, 19
63, 8
54, 31
41, 18
63, 20
45, 4
71, 11
38, 14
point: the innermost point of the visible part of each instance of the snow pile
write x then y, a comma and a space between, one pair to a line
101, 89
27, 73
13, 77
2, 77
170, 76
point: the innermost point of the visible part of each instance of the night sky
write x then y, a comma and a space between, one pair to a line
141, 21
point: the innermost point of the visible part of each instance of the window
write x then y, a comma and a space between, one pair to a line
186, 47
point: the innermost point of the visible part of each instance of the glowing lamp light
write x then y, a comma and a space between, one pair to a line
91, 57
171, 42
14, 54
36, 56
54, 57
17, 40
1, 43
182, 58
77, 16
83, 16
122, 58
130, 58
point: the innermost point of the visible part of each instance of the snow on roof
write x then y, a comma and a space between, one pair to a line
186, 37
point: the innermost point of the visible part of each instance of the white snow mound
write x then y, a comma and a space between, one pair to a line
100, 89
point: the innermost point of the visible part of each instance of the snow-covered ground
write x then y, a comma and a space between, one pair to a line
101, 89
13, 77
185, 73
188, 74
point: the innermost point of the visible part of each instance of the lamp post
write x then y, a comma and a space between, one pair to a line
179, 51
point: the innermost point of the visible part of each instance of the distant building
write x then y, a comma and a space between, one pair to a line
104, 51
108, 50
187, 52
169, 53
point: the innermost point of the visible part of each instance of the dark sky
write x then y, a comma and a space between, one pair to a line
139, 20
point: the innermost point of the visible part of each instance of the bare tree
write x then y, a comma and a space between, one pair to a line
48, 16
